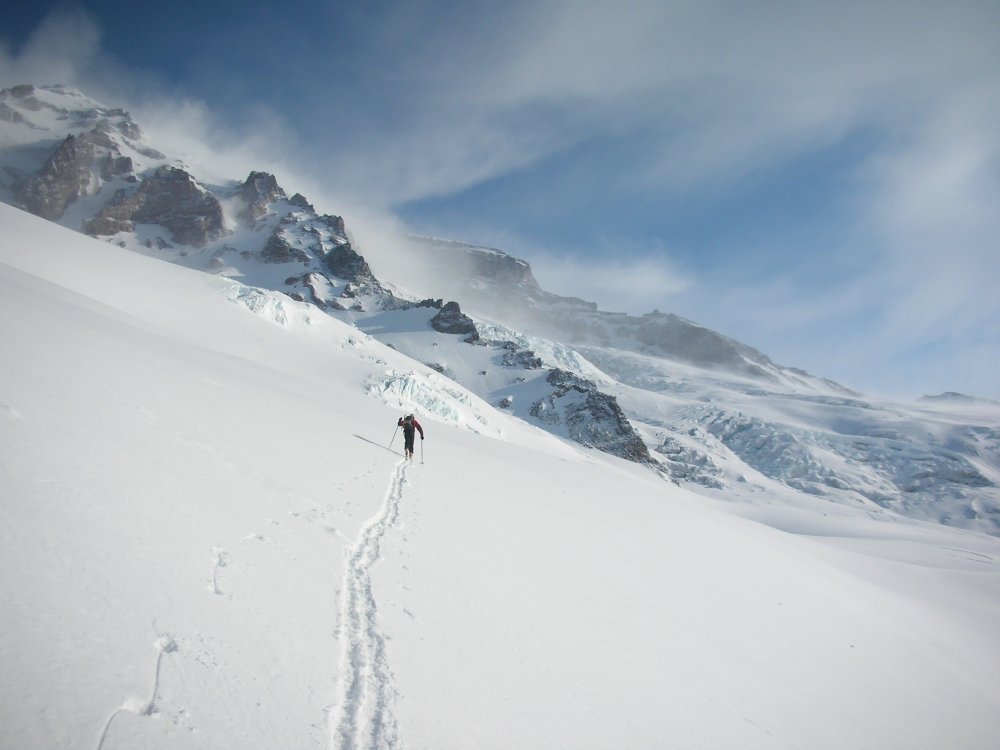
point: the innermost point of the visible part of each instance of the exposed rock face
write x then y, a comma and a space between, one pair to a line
112, 166
315, 282
334, 223
517, 357
278, 249
67, 175
83, 161
259, 190
171, 198
300, 201
319, 245
591, 418
345, 263
451, 319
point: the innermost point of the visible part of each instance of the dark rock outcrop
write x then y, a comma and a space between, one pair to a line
523, 358
298, 200
591, 418
346, 264
278, 249
451, 319
258, 191
117, 166
65, 176
335, 224
169, 197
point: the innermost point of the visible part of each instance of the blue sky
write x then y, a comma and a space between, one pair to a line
818, 180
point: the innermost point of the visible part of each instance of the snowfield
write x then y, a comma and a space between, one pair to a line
209, 542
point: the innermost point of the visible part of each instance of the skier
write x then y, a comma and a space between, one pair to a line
409, 424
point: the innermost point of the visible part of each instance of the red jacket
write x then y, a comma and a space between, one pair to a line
408, 428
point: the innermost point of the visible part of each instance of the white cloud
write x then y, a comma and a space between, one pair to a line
66, 44
625, 280
216, 146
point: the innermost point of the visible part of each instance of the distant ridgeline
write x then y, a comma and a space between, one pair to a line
504, 287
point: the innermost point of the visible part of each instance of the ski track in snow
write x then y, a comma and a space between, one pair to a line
363, 717
164, 645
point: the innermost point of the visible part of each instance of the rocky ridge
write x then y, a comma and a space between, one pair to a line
99, 176
590, 417
168, 197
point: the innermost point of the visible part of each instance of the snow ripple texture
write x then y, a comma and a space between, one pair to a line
363, 717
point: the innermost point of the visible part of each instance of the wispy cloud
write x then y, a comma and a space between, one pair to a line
619, 281
65, 46
412, 102
220, 144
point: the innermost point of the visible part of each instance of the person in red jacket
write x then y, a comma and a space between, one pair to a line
409, 425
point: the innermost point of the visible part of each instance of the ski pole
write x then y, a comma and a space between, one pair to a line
394, 436
421, 450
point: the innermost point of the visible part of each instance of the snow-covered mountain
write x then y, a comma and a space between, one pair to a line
210, 539
692, 404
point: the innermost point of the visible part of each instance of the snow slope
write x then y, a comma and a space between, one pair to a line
207, 543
